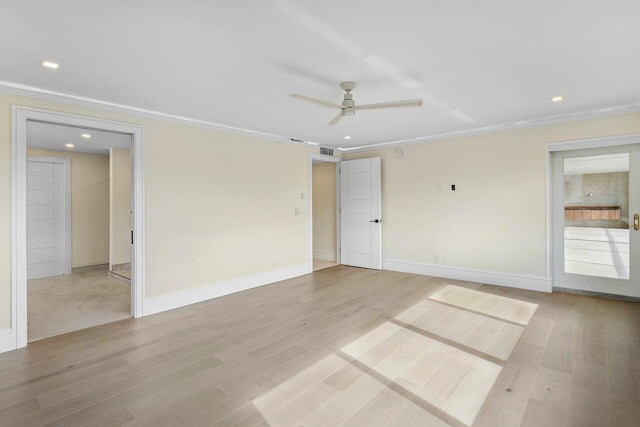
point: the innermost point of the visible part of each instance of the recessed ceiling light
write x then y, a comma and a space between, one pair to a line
347, 137
69, 145
50, 64
557, 98
86, 136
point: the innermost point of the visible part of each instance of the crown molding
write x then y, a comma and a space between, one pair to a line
81, 101
543, 121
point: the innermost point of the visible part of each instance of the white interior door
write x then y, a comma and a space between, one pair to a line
360, 213
596, 202
46, 219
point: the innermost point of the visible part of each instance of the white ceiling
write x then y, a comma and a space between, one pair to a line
606, 163
47, 136
475, 64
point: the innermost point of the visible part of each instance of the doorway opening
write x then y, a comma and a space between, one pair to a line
596, 194
79, 215
324, 211
78, 235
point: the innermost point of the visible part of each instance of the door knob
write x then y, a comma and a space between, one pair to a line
636, 222
377, 221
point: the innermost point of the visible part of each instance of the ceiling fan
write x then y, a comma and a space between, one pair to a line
349, 107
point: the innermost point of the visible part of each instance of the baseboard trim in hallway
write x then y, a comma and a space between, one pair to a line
77, 270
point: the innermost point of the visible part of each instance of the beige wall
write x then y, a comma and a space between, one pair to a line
324, 210
495, 220
89, 206
218, 205
119, 206
221, 206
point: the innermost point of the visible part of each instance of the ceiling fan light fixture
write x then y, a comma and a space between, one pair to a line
347, 137
558, 98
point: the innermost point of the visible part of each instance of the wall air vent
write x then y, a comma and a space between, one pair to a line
326, 151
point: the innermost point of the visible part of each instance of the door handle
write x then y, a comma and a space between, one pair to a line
377, 221
636, 222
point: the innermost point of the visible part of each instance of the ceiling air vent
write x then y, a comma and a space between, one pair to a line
326, 151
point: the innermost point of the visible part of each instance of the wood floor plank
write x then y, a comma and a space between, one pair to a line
552, 387
540, 414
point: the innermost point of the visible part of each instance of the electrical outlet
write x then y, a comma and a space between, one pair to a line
438, 259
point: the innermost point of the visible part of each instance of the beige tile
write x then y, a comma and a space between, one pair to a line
61, 304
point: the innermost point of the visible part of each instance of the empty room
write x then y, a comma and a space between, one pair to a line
331, 213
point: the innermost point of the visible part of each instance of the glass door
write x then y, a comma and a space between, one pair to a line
596, 241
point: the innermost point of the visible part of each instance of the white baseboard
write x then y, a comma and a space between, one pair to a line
192, 296
7, 340
327, 256
492, 278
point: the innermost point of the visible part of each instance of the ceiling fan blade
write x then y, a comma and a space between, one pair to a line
316, 101
392, 104
336, 119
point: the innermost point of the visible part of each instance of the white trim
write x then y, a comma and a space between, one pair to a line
19, 116
64, 98
531, 283
585, 282
577, 144
322, 158
599, 142
66, 232
7, 341
548, 212
204, 293
324, 255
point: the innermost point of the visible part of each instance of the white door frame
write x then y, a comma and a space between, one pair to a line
66, 196
19, 117
578, 144
331, 159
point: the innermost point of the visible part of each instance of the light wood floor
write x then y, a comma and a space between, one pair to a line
342, 346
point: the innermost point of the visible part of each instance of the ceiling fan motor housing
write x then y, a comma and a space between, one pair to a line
348, 106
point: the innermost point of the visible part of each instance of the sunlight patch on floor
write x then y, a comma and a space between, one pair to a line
434, 363
496, 306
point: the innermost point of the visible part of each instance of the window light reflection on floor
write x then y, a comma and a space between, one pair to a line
434, 363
